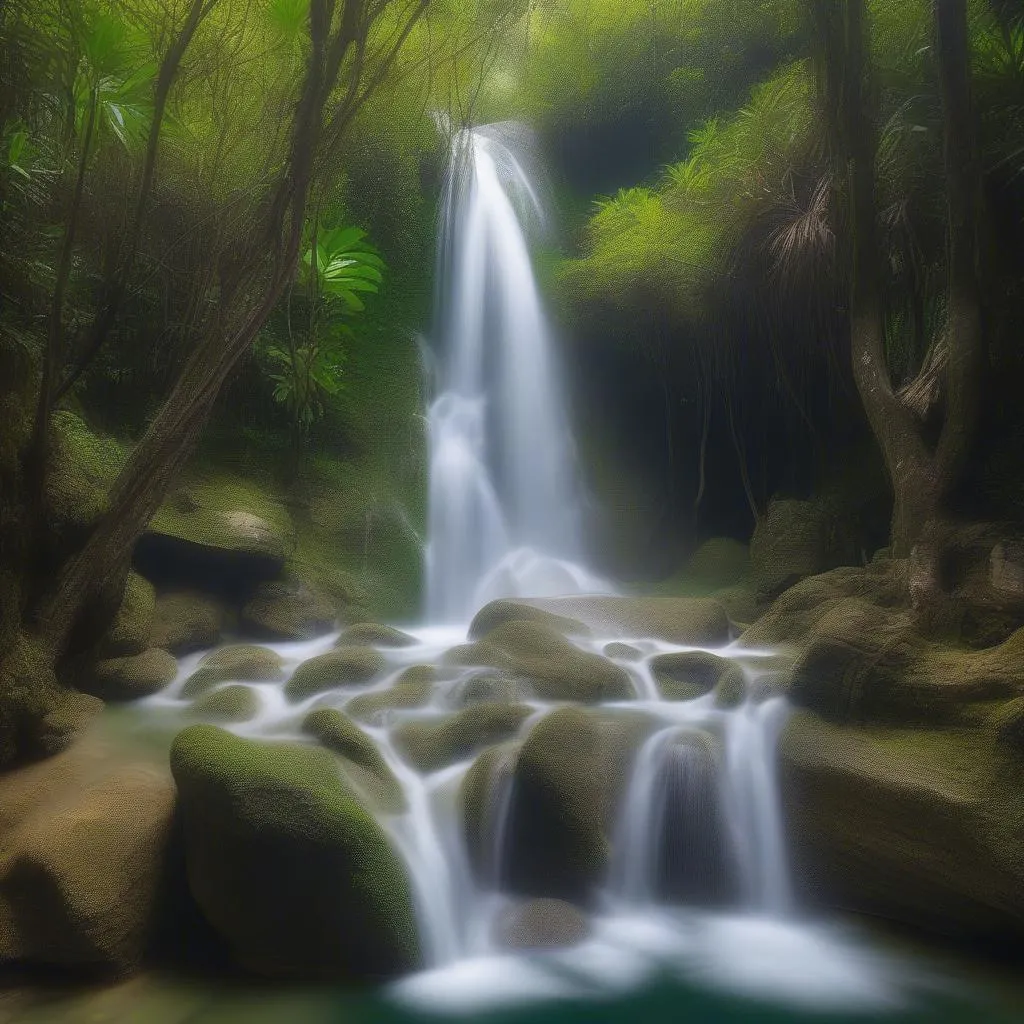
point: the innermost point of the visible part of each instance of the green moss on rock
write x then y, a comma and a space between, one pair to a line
286, 865
333, 730
138, 675
625, 652
288, 609
244, 663
373, 634
498, 613
373, 708
344, 666
555, 668
131, 628
719, 562
186, 621
731, 688
686, 675
432, 745
234, 703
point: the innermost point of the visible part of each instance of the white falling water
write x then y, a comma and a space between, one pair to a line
504, 507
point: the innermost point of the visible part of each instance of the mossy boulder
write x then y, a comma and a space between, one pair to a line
238, 663
130, 631
335, 731
186, 620
686, 675
218, 533
84, 863
344, 666
731, 689
541, 924
233, 703
138, 675
434, 744
374, 708
499, 612
690, 621
624, 652
487, 686
796, 539
287, 866
922, 827
288, 609
555, 668
373, 634
567, 782
719, 562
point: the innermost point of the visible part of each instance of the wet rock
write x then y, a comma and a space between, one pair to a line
432, 745
731, 688
374, 708
686, 675
482, 798
286, 864
130, 631
243, 663
83, 868
185, 621
333, 730
542, 924
567, 785
234, 703
498, 613
344, 666
917, 826
373, 634
691, 621
486, 687
794, 540
288, 610
555, 668
625, 652
139, 675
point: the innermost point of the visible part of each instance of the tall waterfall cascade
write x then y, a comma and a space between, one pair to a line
694, 880
505, 517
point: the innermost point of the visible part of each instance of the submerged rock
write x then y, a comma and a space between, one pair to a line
344, 666
243, 663
287, 866
918, 826
690, 621
288, 610
373, 634
84, 863
185, 621
542, 924
555, 668
336, 732
686, 675
139, 675
234, 703
434, 744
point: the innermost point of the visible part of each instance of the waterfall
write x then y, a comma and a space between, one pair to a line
504, 506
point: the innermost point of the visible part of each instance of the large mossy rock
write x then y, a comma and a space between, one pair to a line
434, 744
289, 868
138, 675
796, 539
238, 663
130, 631
690, 621
186, 620
365, 765
374, 708
290, 609
498, 613
555, 668
83, 860
223, 535
686, 675
922, 827
233, 703
344, 666
567, 780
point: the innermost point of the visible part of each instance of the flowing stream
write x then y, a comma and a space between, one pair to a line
697, 883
